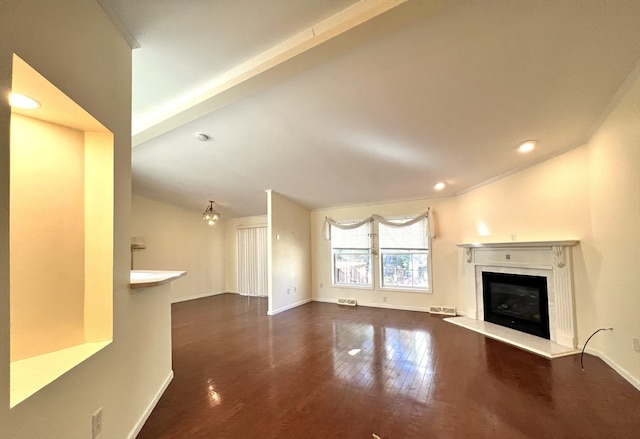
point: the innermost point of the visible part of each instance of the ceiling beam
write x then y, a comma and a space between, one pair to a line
250, 76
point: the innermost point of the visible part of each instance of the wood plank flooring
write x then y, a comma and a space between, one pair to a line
323, 371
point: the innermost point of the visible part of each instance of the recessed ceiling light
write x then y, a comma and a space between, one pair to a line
439, 186
22, 101
202, 137
527, 146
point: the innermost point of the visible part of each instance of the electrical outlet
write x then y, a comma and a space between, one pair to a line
295, 289
384, 299
288, 290
96, 423
636, 344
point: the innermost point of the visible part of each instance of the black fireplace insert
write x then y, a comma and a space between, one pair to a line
516, 301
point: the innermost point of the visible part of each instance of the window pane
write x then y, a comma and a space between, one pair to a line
352, 267
404, 269
404, 256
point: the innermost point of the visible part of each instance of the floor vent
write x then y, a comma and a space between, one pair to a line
347, 302
446, 310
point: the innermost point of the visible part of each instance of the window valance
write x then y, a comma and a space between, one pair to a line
328, 222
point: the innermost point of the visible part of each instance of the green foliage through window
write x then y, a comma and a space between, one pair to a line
407, 269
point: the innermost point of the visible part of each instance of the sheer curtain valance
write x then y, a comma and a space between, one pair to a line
328, 222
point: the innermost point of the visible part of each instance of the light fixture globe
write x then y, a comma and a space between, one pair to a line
210, 215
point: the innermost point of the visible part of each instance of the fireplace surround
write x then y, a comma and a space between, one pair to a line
548, 261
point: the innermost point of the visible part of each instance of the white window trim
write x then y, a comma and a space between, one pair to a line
376, 261
380, 286
372, 284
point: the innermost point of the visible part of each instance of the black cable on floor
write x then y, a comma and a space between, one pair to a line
585, 343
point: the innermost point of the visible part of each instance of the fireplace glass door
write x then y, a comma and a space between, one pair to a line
517, 301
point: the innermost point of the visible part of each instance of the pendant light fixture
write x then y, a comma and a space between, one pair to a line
210, 215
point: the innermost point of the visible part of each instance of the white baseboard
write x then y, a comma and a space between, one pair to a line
462, 313
136, 429
635, 382
323, 300
284, 308
377, 305
196, 296
391, 306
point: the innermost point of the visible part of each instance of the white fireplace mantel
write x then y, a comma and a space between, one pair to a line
551, 259
557, 247
516, 244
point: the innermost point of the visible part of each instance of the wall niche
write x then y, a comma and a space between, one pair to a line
61, 235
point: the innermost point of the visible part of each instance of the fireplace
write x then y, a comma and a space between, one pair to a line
542, 268
516, 301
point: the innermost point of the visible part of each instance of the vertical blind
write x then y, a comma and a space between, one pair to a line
252, 261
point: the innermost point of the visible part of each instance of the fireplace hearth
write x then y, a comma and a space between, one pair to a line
516, 301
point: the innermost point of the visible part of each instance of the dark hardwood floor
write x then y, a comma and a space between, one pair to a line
323, 371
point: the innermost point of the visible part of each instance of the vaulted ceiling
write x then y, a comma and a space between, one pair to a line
341, 102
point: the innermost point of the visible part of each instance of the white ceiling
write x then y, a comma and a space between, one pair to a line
424, 92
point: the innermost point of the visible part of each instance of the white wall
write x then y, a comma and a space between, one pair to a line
289, 247
76, 47
545, 202
590, 193
178, 239
231, 253
443, 254
612, 253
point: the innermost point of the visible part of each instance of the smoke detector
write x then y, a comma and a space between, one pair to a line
202, 137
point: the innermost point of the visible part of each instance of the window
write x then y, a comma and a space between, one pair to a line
403, 262
404, 256
351, 256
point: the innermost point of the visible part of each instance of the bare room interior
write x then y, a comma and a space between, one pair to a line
319, 218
